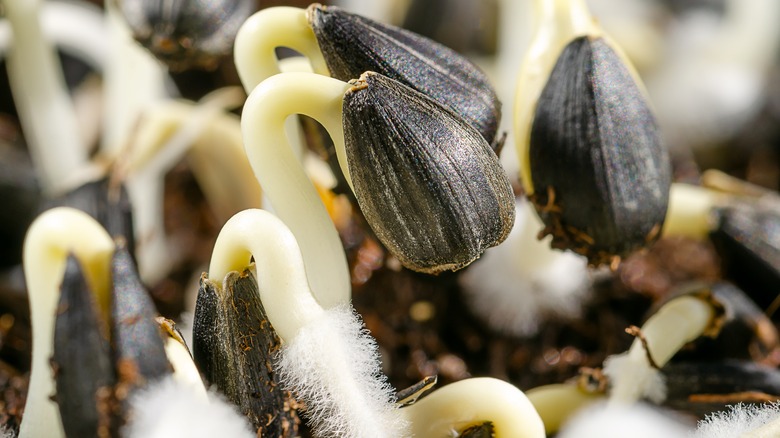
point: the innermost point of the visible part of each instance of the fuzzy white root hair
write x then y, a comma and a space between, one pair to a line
333, 366
635, 421
741, 420
168, 409
515, 286
638, 379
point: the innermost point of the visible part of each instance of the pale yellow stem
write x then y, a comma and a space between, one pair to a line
558, 22
281, 276
678, 322
51, 238
283, 179
42, 100
263, 32
471, 402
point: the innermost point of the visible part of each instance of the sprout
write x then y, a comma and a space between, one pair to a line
428, 184
636, 373
44, 107
346, 45
327, 358
471, 402
50, 238
63, 313
591, 157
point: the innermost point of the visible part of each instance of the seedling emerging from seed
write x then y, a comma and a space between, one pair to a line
346, 45
327, 357
591, 157
427, 182
469, 403
636, 374
99, 301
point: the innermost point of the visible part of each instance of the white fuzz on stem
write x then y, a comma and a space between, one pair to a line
167, 409
333, 364
744, 421
518, 284
51, 237
678, 322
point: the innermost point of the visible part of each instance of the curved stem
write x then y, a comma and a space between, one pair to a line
52, 236
282, 177
42, 100
678, 322
558, 22
281, 276
471, 402
263, 32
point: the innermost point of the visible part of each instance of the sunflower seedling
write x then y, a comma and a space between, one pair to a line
472, 403
346, 45
428, 184
101, 306
327, 359
636, 374
591, 155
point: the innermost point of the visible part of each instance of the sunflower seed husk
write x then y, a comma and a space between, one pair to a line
105, 201
352, 44
234, 345
138, 344
745, 331
186, 33
704, 387
747, 237
428, 184
600, 174
81, 359
484, 430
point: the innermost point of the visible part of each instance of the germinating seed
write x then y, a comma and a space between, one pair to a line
352, 44
600, 175
427, 182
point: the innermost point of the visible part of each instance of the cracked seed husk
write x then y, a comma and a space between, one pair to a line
352, 44
600, 174
233, 346
428, 184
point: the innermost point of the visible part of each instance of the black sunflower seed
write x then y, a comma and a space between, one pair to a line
186, 33
81, 359
138, 344
427, 182
352, 44
600, 175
